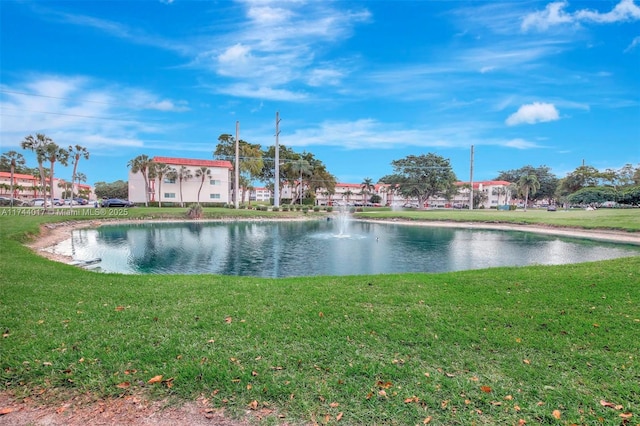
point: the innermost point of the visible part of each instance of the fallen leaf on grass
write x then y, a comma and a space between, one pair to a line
526, 361
123, 385
228, 320
384, 385
626, 415
557, 414
486, 389
4, 411
610, 405
119, 308
427, 420
339, 416
412, 399
253, 405
155, 379
334, 405
521, 422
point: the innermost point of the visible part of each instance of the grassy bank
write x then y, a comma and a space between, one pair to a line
626, 219
485, 347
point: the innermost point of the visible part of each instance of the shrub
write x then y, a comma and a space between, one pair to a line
316, 209
195, 211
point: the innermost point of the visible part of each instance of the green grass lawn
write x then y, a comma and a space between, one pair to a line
479, 347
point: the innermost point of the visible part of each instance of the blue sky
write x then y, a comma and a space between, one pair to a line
357, 83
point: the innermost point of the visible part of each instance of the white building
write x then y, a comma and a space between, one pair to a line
213, 186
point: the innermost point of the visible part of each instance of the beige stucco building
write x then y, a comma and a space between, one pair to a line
213, 187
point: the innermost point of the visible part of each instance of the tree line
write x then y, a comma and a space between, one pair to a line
49, 153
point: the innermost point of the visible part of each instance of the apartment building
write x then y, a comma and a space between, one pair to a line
214, 186
27, 187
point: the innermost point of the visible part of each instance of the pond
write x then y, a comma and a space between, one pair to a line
308, 248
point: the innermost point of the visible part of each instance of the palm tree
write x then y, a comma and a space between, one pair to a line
202, 173
348, 193
76, 152
37, 144
367, 186
183, 174
528, 184
14, 159
301, 167
54, 154
141, 164
499, 191
161, 170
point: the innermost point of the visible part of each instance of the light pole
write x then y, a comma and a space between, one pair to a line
276, 180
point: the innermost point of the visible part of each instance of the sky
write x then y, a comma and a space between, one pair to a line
357, 83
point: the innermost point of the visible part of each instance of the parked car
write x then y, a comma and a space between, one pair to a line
58, 202
116, 202
551, 208
39, 202
81, 201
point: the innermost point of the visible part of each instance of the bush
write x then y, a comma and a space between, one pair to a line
195, 211
275, 209
316, 209
329, 209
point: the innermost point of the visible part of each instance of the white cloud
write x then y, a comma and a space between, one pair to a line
626, 10
80, 110
554, 14
551, 15
519, 143
536, 112
634, 43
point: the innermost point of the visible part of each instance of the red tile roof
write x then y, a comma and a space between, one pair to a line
17, 176
193, 162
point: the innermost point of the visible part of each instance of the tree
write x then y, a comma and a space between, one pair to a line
548, 181
161, 170
76, 153
301, 168
528, 184
367, 187
54, 154
117, 189
13, 159
142, 164
38, 144
422, 176
251, 164
183, 174
203, 173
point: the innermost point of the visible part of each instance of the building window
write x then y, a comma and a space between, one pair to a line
169, 195
214, 196
215, 182
167, 180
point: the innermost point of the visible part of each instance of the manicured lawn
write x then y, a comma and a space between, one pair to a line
480, 347
623, 219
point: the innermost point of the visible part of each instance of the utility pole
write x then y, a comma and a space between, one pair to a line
237, 168
276, 180
471, 182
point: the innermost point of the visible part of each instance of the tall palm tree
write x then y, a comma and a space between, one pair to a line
161, 170
183, 174
366, 186
54, 154
528, 184
14, 159
76, 152
141, 164
500, 191
202, 173
301, 167
37, 144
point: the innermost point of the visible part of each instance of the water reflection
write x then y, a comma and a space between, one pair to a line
283, 249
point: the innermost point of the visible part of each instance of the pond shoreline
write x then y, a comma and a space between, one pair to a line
54, 233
